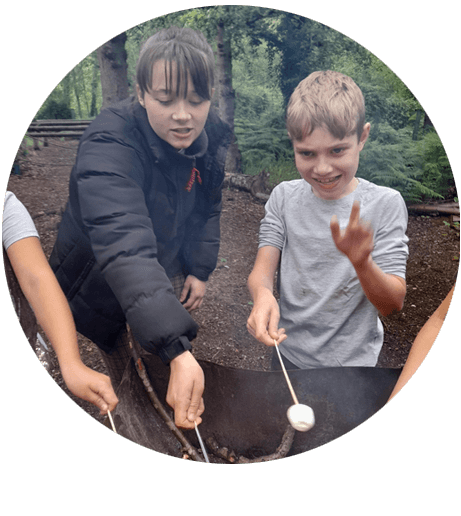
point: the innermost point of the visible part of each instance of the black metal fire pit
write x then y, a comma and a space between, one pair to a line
245, 411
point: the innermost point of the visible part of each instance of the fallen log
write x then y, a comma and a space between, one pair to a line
57, 128
56, 134
36, 126
61, 121
445, 209
258, 185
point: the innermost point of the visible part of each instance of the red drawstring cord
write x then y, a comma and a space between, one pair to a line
193, 174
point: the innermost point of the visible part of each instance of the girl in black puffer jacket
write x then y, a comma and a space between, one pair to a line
140, 233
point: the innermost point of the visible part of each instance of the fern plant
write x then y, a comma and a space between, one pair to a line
263, 143
391, 158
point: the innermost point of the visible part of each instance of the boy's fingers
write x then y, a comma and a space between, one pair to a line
273, 326
355, 213
281, 336
334, 227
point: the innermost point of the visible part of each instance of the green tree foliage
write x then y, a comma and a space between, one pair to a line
54, 109
418, 170
271, 52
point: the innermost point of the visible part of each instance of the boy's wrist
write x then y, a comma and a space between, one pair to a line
363, 265
262, 293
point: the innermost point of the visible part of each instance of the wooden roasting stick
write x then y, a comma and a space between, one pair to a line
111, 421
282, 450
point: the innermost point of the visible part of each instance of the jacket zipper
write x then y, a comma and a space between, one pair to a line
194, 175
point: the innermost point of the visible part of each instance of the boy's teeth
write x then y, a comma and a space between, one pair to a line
327, 180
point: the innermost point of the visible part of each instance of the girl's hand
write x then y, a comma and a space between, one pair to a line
192, 293
356, 241
185, 389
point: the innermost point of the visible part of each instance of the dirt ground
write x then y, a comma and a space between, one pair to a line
223, 338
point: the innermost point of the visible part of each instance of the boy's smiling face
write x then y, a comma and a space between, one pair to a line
328, 164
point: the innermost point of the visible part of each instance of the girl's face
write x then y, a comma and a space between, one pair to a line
176, 119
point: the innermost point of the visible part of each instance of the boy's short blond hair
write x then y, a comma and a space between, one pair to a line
326, 99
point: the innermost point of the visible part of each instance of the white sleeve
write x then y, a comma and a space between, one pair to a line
17, 222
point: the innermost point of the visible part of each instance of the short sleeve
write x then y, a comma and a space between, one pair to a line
272, 230
17, 222
391, 242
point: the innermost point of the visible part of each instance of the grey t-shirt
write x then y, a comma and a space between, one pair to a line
17, 222
329, 321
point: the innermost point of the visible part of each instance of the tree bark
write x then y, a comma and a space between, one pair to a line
226, 95
258, 186
238, 181
113, 67
445, 209
94, 87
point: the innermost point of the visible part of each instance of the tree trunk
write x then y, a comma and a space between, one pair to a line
417, 124
427, 121
77, 96
94, 87
226, 96
113, 67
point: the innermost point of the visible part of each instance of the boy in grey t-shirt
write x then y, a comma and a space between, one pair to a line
337, 272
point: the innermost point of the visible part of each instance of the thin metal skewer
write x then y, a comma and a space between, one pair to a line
201, 442
295, 399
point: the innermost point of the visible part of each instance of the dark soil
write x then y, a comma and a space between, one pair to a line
223, 338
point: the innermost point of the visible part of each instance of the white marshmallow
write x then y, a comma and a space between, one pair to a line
301, 417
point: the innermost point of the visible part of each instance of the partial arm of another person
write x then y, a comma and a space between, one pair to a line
423, 343
42, 290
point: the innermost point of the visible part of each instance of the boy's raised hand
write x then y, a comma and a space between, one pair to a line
356, 241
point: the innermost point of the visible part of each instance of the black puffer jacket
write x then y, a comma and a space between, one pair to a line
129, 225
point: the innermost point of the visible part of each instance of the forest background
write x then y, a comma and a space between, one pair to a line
261, 55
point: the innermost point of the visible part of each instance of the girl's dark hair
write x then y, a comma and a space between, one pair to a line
191, 53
